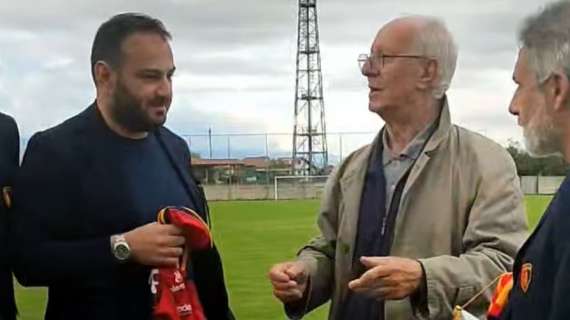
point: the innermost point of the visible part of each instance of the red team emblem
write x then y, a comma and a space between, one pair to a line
525, 276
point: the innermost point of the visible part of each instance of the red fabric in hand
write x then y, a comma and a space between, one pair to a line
175, 296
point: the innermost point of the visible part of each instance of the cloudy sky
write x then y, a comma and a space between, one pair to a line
236, 63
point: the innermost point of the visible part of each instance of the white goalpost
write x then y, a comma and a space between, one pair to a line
298, 187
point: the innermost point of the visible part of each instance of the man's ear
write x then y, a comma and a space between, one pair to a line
560, 90
429, 74
103, 74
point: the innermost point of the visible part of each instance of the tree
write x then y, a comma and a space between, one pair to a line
531, 166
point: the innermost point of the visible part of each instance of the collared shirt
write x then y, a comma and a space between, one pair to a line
396, 166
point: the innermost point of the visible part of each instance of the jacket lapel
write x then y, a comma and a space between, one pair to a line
90, 142
182, 169
439, 135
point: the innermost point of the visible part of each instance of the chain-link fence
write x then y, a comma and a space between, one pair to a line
271, 145
247, 166
258, 166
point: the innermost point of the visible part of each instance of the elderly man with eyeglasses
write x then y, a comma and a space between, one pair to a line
424, 217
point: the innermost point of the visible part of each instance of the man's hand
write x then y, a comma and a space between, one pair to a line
156, 245
289, 280
388, 278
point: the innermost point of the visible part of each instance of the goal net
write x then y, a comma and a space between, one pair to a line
299, 187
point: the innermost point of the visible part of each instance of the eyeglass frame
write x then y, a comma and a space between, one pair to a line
364, 58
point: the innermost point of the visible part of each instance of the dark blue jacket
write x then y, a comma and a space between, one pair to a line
67, 207
541, 287
9, 158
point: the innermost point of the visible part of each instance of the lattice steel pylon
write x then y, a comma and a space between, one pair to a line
310, 155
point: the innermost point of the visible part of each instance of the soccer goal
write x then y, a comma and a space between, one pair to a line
299, 187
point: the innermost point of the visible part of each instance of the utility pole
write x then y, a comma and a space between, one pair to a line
310, 155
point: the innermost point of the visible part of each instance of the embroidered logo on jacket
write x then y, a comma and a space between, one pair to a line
7, 197
525, 276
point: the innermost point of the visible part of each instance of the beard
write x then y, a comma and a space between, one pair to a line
544, 139
128, 111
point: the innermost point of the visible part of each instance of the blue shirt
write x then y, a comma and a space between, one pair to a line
148, 176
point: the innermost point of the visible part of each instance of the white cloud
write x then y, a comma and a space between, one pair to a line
236, 62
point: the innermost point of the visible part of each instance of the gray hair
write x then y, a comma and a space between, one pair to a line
546, 37
435, 41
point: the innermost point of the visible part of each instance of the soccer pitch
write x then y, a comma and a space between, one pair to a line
252, 236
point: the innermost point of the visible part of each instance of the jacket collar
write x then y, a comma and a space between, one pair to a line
355, 171
439, 135
442, 130
443, 125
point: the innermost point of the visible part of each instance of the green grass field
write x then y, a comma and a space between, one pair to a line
252, 236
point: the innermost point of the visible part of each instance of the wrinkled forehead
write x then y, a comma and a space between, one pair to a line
396, 36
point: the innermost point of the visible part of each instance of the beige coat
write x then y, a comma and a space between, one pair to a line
461, 215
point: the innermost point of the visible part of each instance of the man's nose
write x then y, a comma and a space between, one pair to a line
513, 107
165, 87
368, 70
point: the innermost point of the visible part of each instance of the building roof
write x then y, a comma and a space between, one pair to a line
217, 162
258, 162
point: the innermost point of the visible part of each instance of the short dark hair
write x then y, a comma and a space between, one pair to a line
111, 34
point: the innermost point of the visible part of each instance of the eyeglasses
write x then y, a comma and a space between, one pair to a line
376, 62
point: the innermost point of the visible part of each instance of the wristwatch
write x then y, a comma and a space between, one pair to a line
120, 248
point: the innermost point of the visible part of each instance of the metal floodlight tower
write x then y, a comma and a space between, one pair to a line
310, 155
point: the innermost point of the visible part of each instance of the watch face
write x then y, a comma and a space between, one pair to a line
122, 251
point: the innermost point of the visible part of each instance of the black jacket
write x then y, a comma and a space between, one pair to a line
67, 207
541, 287
9, 158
